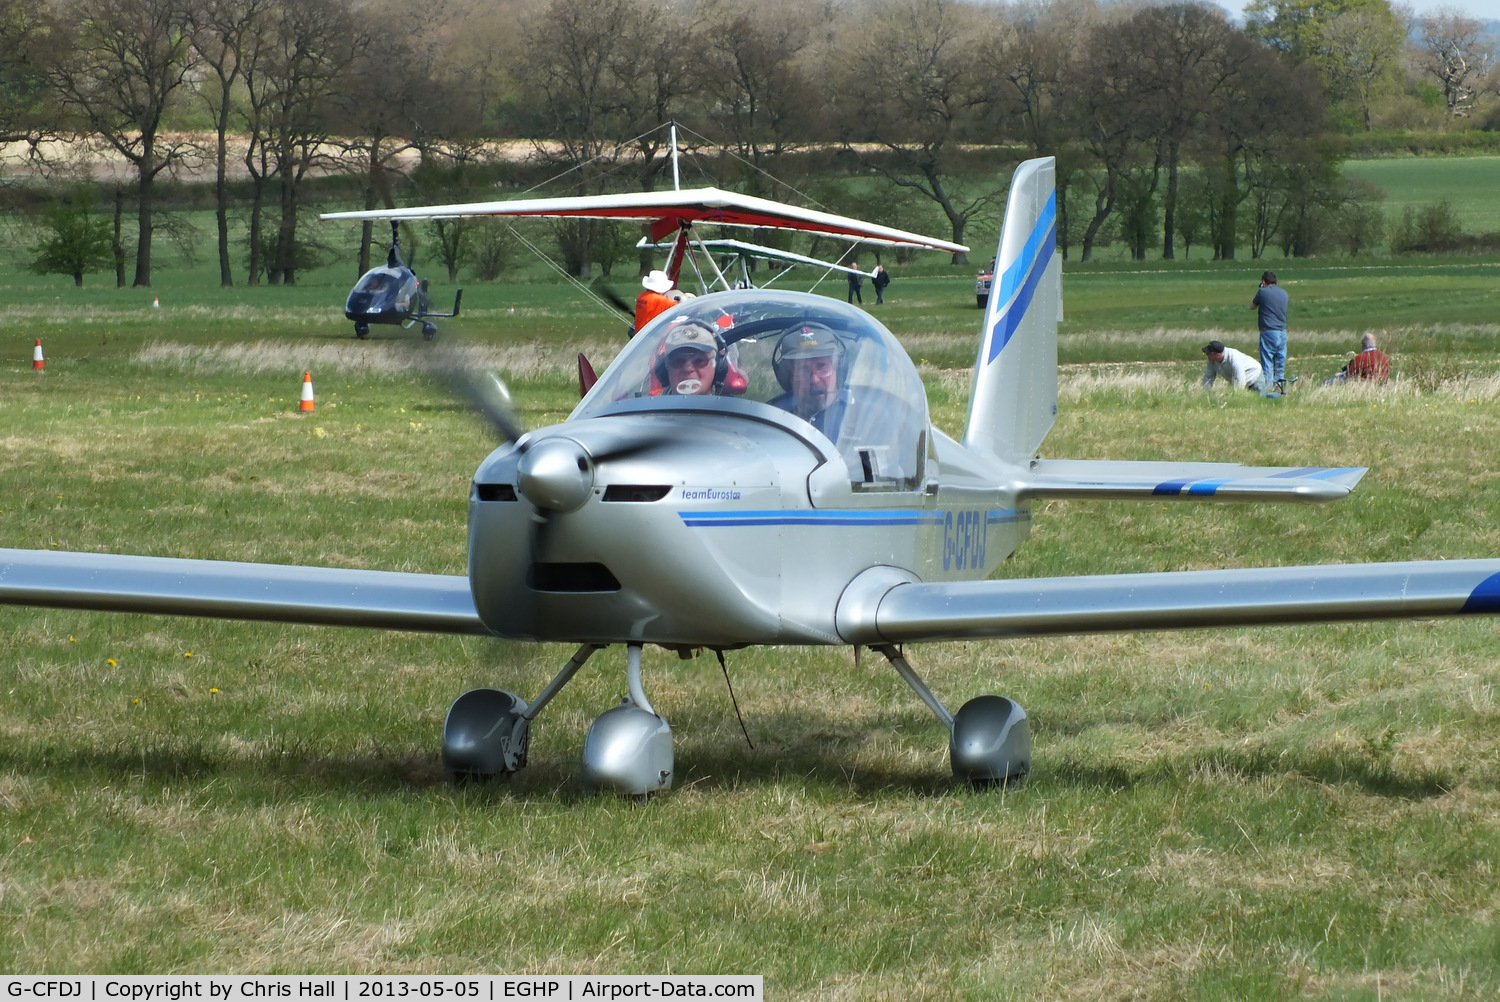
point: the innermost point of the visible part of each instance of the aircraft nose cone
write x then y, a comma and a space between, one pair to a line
555, 474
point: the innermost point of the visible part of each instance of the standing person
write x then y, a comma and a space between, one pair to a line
653, 300
880, 281
1271, 300
856, 283
1242, 371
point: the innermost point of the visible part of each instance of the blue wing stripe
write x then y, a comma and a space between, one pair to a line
1206, 487
1485, 599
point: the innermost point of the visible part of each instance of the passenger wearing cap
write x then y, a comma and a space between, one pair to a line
654, 299
808, 361
1242, 371
690, 361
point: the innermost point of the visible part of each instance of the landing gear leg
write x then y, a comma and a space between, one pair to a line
488, 731
629, 748
989, 741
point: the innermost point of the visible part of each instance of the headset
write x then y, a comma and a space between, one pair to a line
782, 365
721, 361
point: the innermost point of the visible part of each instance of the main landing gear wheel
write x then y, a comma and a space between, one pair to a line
362, 331
989, 742
628, 749
429, 331
488, 731
486, 735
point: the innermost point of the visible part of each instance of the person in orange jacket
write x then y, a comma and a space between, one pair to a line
654, 299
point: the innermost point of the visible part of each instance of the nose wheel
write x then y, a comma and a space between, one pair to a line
629, 748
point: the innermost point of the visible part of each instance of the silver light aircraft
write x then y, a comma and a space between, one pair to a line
758, 467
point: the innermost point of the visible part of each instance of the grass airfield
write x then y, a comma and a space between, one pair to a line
1237, 814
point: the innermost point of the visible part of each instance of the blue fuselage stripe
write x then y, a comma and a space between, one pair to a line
703, 519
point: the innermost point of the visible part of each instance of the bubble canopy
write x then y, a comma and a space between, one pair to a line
824, 362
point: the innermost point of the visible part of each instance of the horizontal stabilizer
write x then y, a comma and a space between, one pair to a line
221, 589
1063, 479
1181, 600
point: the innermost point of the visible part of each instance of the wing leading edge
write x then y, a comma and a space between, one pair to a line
1173, 600
1087, 479
325, 596
670, 210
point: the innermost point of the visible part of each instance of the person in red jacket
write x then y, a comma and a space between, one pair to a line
654, 299
1371, 363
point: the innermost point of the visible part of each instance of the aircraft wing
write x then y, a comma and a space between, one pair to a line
757, 250
325, 596
1168, 481
668, 211
1173, 600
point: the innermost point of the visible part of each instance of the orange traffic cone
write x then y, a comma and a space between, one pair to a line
156, 302
307, 394
37, 362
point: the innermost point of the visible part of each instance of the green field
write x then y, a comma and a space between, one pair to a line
1223, 815
1468, 184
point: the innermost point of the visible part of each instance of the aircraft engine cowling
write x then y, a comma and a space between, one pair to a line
590, 531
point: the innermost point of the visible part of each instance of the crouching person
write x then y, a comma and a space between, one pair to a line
1240, 370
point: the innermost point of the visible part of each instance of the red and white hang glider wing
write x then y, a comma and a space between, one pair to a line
668, 211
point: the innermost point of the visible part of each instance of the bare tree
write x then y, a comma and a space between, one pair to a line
911, 91
129, 59
1365, 51
573, 52
300, 59
392, 99
27, 47
763, 102
1171, 55
1455, 51
1026, 66
220, 29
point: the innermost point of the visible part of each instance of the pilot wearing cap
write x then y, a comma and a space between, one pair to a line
809, 364
690, 361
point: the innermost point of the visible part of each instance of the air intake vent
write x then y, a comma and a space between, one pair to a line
495, 492
636, 492
571, 578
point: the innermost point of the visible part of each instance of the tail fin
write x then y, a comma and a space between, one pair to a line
1014, 399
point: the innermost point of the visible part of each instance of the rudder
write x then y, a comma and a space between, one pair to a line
1014, 398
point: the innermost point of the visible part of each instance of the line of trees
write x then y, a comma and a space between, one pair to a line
1171, 125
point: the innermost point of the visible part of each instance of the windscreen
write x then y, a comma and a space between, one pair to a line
820, 360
